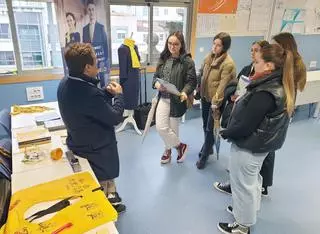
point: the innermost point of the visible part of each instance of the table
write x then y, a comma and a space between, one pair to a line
47, 169
311, 93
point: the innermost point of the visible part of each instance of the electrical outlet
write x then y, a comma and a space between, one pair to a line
313, 64
35, 93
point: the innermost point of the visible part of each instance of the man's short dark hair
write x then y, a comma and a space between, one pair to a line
77, 56
91, 2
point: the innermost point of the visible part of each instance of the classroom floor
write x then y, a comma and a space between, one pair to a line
180, 199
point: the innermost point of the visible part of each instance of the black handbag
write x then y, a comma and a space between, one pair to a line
142, 111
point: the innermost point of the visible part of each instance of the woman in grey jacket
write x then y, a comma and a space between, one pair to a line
177, 67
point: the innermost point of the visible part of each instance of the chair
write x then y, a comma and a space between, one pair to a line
5, 121
5, 195
5, 147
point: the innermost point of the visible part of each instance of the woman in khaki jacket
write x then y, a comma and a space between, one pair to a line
218, 70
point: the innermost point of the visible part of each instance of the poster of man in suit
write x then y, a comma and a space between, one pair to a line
85, 21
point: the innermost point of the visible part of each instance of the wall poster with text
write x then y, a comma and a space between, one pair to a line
85, 21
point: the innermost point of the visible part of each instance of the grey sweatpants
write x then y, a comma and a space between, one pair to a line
246, 184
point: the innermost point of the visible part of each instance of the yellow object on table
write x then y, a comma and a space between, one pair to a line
56, 154
28, 109
91, 209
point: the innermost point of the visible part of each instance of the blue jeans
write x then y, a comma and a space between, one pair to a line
246, 184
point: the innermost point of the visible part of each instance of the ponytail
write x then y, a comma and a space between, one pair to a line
288, 82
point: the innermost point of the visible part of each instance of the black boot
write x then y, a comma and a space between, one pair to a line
201, 163
201, 152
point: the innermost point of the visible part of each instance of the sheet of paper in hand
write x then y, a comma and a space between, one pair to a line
171, 88
242, 85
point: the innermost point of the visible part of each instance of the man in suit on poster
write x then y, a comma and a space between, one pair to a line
95, 33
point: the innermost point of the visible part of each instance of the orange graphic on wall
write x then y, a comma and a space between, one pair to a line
218, 6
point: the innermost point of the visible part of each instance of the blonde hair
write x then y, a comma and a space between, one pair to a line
282, 59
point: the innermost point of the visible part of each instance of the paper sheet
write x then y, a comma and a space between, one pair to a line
298, 28
227, 23
241, 87
23, 120
207, 25
244, 5
260, 15
171, 88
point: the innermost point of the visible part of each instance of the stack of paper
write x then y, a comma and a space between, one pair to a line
54, 125
46, 117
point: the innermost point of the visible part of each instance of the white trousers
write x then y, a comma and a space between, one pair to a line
167, 127
246, 184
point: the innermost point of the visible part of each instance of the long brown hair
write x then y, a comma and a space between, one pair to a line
165, 54
282, 59
225, 39
287, 41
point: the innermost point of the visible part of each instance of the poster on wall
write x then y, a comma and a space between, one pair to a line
218, 6
85, 21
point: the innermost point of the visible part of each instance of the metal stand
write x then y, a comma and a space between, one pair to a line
128, 120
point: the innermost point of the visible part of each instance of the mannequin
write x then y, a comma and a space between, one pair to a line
129, 72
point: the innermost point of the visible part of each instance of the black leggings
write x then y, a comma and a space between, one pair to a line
267, 170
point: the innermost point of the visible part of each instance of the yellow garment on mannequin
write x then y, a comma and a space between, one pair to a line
134, 57
91, 210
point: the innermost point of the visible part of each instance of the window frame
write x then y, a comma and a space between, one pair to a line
54, 73
188, 4
13, 27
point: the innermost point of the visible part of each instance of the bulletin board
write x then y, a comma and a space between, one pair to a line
297, 17
251, 17
258, 17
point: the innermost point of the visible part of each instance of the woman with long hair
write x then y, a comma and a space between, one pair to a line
246, 71
287, 42
217, 71
176, 67
257, 126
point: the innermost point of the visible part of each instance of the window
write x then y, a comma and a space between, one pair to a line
123, 23
4, 31
165, 19
37, 34
121, 35
156, 11
180, 11
30, 38
161, 37
145, 37
145, 11
163, 26
7, 59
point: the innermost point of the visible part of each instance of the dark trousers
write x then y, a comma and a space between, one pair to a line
267, 170
207, 119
